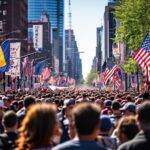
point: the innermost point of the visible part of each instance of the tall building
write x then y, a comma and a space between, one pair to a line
13, 17
97, 61
99, 48
109, 29
94, 64
45, 53
55, 10
73, 66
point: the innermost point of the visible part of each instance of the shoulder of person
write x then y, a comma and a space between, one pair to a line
4, 140
66, 145
78, 145
127, 145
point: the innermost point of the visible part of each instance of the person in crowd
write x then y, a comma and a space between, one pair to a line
116, 112
106, 128
107, 107
28, 101
2, 106
127, 129
129, 109
86, 121
142, 139
39, 128
64, 118
8, 138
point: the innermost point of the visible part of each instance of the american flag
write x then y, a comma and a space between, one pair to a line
110, 73
142, 56
116, 81
45, 74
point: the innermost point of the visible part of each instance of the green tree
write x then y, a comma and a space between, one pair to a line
133, 17
130, 66
91, 76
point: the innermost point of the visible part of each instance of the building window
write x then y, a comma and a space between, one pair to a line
4, 12
1, 26
5, 2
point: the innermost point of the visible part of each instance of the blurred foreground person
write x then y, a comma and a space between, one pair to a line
86, 122
38, 128
127, 129
142, 140
8, 138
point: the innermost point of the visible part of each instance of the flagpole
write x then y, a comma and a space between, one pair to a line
4, 81
137, 74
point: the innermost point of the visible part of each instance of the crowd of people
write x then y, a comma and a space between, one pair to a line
74, 119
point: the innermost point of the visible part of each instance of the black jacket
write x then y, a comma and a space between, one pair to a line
140, 142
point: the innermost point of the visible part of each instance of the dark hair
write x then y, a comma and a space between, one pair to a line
143, 113
129, 98
116, 105
86, 117
29, 100
10, 119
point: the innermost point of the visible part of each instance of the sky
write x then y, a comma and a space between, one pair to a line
87, 15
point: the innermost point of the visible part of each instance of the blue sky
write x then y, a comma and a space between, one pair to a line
87, 15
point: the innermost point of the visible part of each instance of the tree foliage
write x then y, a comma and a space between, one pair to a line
91, 76
130, 66
133, 17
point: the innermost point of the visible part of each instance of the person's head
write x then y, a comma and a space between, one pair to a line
100, 103
116, 108
10, 121
129, 98
86, 119
28, 101
105, 124
6, 101
129, 109
107, 103
143, 115
68, 106
127, 129
38, 127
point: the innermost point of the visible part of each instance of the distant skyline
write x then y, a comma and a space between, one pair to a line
87, 15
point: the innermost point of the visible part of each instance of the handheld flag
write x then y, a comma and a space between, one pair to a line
39, 67
110, 73
4, 56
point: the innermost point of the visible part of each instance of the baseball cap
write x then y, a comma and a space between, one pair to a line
107, 103
105, 123
69, 102
131, 107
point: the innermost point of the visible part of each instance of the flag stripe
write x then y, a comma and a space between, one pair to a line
142, 57
110, 73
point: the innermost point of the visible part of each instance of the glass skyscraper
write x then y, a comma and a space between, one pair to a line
55, 10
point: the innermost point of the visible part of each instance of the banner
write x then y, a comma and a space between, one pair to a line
4, 56
14, 59
38, 37
56, 65
116, 48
